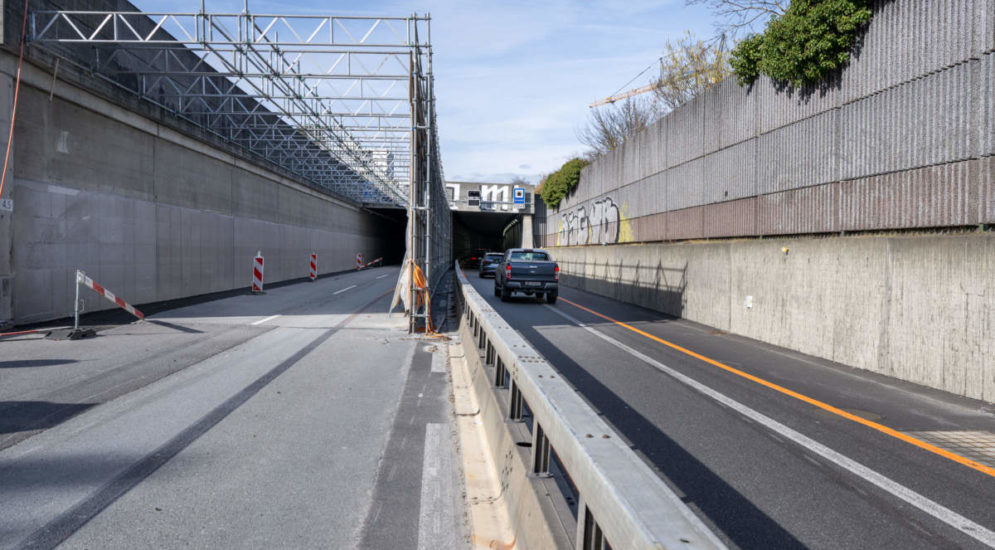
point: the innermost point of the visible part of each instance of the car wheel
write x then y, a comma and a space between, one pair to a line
551, 298
505, 294
497, 291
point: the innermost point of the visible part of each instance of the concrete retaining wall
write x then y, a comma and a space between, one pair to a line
151, 214
917, 308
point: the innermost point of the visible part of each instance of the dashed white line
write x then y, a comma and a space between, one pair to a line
344, 289
938, 511
261, 321
382, 276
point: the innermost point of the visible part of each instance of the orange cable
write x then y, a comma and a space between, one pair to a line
17, 89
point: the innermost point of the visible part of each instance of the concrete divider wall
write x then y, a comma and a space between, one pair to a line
917, 308
154, 215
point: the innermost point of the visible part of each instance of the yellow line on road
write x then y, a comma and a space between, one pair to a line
814, 402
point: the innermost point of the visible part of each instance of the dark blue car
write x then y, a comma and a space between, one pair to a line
489, 262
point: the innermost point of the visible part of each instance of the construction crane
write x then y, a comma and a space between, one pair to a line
623, 95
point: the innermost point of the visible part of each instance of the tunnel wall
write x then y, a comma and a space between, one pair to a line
150, 213
903, 139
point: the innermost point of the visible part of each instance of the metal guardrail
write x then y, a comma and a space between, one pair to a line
623, 503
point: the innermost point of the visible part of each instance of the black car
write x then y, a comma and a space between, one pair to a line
527, 270
489, 262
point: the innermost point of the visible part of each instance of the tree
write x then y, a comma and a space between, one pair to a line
610, 125
737, 16
804, 40
688, 67
560, 183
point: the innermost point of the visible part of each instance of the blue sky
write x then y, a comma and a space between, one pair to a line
514, 77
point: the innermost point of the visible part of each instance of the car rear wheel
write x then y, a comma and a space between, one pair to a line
551, 297
497, 291
505, 294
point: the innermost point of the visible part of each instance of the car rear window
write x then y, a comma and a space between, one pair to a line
529, 257
494, 256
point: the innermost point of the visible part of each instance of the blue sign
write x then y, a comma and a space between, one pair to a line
519, 195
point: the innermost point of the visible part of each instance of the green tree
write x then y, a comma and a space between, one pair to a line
806, 44
560, 183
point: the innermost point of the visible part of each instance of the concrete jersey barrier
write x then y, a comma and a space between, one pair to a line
629, 503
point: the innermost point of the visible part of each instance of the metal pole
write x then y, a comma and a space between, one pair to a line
76, 304
412, 179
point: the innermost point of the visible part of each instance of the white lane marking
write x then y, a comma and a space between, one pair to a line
261, 321
438, 495
938, 511
344, 289
382, 276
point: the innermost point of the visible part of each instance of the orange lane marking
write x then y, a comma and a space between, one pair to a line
815, 402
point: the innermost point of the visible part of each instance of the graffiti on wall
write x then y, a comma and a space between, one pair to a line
597, 223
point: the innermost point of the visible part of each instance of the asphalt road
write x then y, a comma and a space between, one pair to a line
767, 445
302, 418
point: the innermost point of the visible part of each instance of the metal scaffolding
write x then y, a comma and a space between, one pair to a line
346, 103
328, 98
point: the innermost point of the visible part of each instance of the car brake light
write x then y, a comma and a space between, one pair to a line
556, 273
507, 271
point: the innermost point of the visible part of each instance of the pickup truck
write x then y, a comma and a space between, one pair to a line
528, 270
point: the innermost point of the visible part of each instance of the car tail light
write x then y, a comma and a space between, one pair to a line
507, 271
556, 273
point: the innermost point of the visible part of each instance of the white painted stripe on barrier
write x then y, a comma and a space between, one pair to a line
270, 318
344, 289
938, 511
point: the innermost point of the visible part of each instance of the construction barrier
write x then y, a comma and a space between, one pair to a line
93, 285
257, 273
373, 262
313, 272
359, 261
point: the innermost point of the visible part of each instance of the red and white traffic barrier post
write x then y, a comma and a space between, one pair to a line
81, 278
257, 273
313, 272
359, 261
373, 262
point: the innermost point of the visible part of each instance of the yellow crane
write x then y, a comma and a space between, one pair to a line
623, 95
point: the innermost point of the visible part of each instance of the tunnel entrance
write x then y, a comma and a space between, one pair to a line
477, 232
391, 223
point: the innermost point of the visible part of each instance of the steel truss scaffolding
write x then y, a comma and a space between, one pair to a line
331, 99
347, 103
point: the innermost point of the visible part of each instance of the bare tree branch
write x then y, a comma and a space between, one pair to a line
610, 125
738, 15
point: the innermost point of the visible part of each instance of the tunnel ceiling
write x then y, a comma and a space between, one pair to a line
325, 97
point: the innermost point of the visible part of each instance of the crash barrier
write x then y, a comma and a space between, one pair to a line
82, 279
615, 498
313, 267
257, 273
373, 262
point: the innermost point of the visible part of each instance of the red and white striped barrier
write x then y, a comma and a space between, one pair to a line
93, 285
257, 273
313, 272
359, 261
376, 261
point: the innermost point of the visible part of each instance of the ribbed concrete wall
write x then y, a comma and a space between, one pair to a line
898, 132
152, 214
917, 308
903, 139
